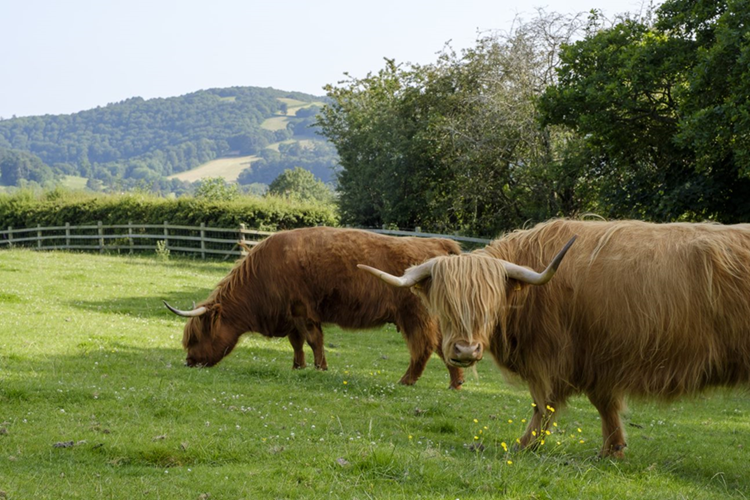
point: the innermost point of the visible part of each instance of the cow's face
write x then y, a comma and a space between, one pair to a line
468, 295
207, 340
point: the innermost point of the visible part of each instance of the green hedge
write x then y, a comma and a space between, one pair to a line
55, 209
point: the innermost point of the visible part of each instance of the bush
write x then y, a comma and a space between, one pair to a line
27, 209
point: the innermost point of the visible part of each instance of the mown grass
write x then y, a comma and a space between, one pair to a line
88, 355
229, 168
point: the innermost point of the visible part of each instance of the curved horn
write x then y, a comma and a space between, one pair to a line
411, 277
186, 314
534, 278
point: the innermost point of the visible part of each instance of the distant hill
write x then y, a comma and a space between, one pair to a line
139, 141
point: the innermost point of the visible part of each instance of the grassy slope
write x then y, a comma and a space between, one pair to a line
228, 168
74, 182
89, 355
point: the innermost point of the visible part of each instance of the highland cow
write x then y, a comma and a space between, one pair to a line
294, 281
648, 310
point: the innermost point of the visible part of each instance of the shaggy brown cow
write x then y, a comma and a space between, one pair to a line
295, 280
636, 309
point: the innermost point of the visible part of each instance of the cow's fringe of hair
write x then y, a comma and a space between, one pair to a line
464, 294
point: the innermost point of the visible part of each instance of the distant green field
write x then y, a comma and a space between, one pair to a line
95, 404
293, 105
229, 168
275, 123
74, 182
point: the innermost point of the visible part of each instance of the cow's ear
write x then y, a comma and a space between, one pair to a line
422, 287
516, 285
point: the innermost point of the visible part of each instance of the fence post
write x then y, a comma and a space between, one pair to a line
203, 242
130, 235
242, 239
166, 235
101, 236
67, 235
38, 236
417, 229
10, 236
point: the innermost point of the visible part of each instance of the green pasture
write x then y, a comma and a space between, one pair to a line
95, 403
74, 182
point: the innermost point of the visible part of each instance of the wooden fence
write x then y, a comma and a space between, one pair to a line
130, 237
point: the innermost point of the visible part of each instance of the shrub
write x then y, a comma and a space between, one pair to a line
25, 209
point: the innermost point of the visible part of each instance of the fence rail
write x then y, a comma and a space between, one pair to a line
130, 237
201, 239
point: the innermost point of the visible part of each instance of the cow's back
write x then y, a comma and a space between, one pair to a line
317, 268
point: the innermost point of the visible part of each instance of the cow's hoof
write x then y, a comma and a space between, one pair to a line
615, 451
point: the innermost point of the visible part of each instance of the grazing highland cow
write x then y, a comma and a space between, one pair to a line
291, 283
636, 309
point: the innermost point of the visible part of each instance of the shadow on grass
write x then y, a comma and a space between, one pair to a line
145, 306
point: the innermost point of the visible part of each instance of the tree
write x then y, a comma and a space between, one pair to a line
300, 184
216, 189
661, 110
19, 166
454, 145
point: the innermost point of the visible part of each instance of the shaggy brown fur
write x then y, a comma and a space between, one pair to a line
294, 281
635, 308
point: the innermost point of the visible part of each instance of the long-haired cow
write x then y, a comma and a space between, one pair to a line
650, 310
292, 282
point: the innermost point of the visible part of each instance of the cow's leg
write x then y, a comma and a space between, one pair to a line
545, 411
532, 437
609, 407
457, 374
421, 339
297, 340
315, 339
310, 331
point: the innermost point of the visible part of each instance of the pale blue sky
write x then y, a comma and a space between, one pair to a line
63, 56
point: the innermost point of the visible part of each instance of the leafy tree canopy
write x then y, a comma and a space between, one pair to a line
663, 108
454, 145
300, 185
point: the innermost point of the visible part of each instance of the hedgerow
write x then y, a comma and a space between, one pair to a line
55, 208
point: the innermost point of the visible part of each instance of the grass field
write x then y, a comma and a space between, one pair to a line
74, 182
95, 403
280, 122
228, 168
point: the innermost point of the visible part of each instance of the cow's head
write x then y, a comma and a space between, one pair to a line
468, 294
206, 339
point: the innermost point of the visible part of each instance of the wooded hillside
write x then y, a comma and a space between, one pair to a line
144, 141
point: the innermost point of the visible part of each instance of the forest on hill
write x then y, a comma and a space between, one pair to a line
139, 143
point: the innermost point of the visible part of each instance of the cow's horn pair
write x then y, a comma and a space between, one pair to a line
416, 274
197, 311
